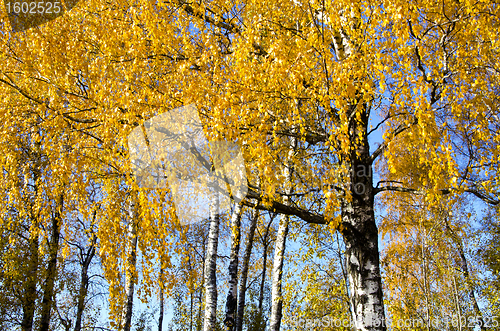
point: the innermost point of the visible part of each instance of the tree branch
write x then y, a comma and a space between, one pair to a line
278, 207
478, 194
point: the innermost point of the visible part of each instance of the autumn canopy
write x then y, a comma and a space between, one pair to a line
369, 137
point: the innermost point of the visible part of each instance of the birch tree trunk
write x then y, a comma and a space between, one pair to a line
279, 250
358, 218
276, 290
265, 245
130, 274
160, 318
48, 293
244, 270
199, 319
360, 232
231, 300
211, 265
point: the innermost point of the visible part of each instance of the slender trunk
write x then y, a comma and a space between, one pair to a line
199, 323
265, 243
233, 267
276, 290
30, 295
210, 266
279, 251
160, 318
457, 300
244, 270
84, 285
360, 232
245, 266
191, 293
130, 275
262, 281
464, 267
424, 271
48, 294
191, 313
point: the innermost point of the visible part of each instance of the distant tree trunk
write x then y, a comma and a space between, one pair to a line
30, 294
279, 251
233, 267
424, 276
160, 318
48, 293
265, 245
210, 266
191, 294
276, 290
191, 312
464, 268
199, 324
84, 284
244, 270
130, 275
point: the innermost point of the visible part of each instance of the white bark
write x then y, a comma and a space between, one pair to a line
244, 270
162, 304
276, 290
279, 250
358, 220
130, 274
211, 265
233, 267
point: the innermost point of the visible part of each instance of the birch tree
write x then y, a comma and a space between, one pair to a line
232, 294
244, 270
210, 266
131, 272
